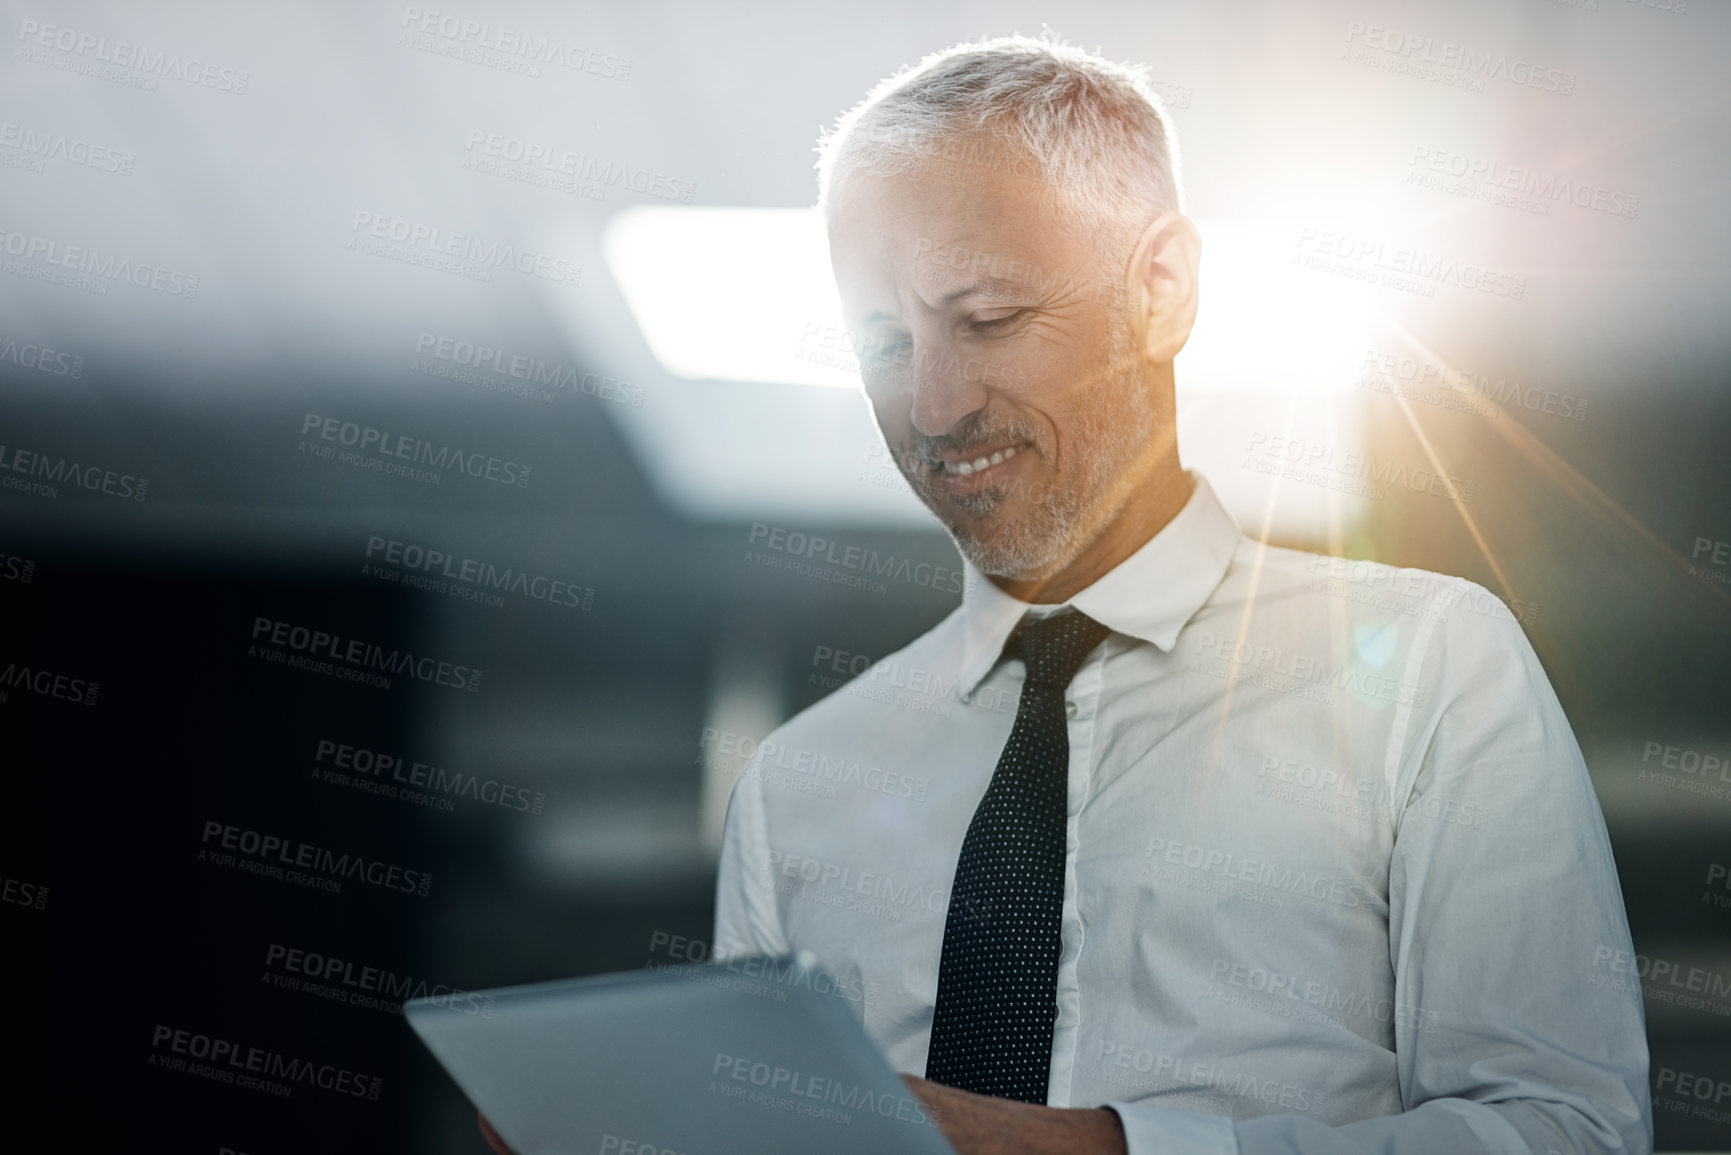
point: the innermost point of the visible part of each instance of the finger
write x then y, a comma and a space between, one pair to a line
923, 1089
932, 1095
491, 1136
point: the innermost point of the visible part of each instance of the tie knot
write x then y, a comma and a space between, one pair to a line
1054, 647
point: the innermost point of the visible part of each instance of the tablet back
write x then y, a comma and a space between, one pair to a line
699, 1060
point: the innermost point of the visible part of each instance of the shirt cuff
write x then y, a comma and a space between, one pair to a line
1151, 1130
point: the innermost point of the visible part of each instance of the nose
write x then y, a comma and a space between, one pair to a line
943, 395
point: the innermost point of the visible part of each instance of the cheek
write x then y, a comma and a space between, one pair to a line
1056, 402
1046, 373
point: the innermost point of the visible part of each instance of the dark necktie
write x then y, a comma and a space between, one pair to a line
998, 976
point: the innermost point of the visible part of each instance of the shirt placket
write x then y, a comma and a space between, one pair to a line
1081, 711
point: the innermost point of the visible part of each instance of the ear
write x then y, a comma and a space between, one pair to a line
1162, 286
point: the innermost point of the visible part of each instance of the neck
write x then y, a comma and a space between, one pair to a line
1160, 490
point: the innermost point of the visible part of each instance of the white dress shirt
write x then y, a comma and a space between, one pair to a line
1337, 879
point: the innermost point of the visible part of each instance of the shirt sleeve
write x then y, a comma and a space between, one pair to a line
746, 918
1510, 1033
1148, 1130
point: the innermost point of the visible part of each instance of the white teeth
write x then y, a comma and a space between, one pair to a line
969, 468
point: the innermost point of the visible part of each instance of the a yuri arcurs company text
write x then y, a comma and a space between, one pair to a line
352, 659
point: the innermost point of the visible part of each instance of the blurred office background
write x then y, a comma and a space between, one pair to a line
238, 239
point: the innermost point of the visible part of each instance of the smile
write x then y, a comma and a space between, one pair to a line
968, 468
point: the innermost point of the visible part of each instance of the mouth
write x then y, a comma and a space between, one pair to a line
976, 469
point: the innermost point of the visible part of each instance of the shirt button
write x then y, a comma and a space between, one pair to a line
1069, 708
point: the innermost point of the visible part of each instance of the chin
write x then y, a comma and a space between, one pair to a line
1013, 549
1003, 534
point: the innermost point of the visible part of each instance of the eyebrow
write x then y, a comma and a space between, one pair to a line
1004, 286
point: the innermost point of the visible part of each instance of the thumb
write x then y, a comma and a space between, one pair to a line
491, 1136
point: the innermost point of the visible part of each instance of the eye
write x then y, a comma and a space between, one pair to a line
883, 348
997, 322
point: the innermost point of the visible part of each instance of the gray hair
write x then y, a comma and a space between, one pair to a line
1093, 130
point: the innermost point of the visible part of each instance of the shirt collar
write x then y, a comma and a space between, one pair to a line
1150, 595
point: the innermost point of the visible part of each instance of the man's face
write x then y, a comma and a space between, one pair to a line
997, 357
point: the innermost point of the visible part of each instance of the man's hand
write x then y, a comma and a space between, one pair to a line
492, 1136
981, 1125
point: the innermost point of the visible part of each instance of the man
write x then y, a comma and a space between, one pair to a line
1206, 850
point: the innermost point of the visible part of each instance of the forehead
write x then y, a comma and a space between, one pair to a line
942, 226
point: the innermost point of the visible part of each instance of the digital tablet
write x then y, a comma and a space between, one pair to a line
743, 1057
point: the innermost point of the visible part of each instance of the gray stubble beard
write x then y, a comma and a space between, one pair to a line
1116, 425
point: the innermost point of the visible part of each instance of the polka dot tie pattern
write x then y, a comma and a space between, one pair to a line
998, 975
